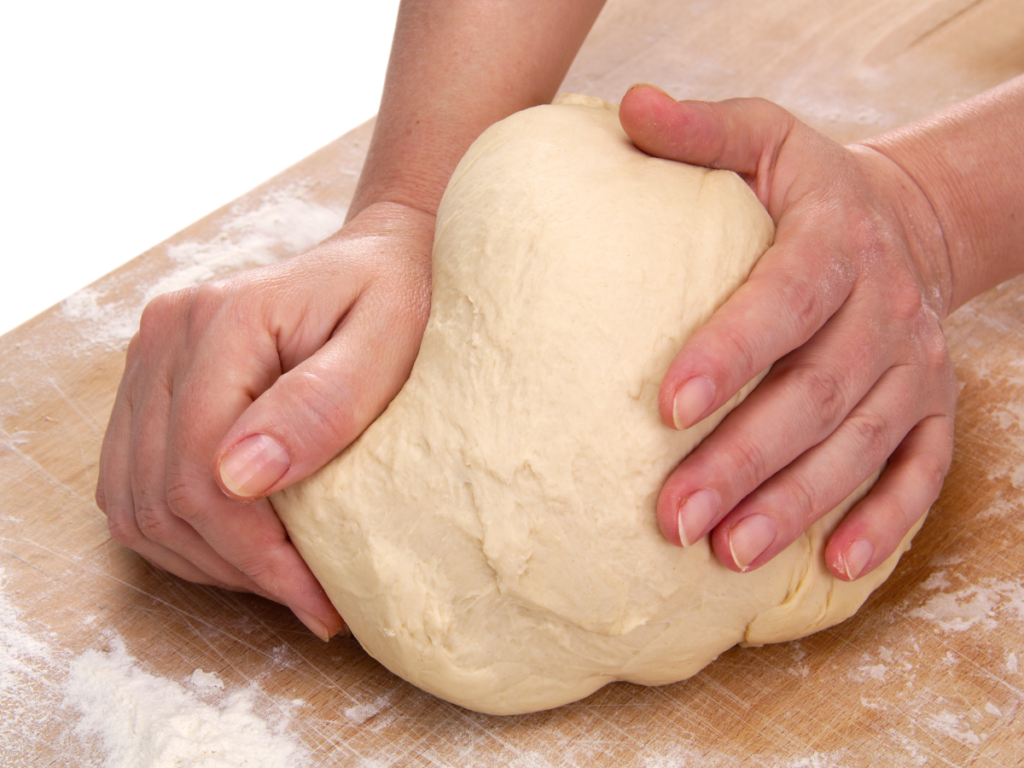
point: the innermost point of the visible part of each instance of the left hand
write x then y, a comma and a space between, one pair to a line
846, 307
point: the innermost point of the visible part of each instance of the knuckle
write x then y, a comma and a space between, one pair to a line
123, 530
800, 506
932, 471
871, 432
805, 303
328, 405
159, 315
749, 461
132, 353
207, 302
153, 522
191, 310
933, 347
907, 304
823, 391
182, 500
207, 299
734, 349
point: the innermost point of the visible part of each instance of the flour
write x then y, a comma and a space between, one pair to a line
981, 604
203, 679
952, 726
104, 323
127, 717
145, 721
19, 651
873, 672
26, 695
360, 713
282, 224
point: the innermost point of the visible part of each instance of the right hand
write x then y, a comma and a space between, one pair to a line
239, 387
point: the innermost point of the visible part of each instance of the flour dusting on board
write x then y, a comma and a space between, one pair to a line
25, 695
104, 322
127, 717
983, 604
888, 679
283, 224
144, 720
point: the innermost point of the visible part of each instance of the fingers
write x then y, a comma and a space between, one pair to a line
779, 511
114, 490
251, 382
791, 292
787, 298
799, 404
741, 135
316, 409
241, 544
910, 484
754, 483
154, 497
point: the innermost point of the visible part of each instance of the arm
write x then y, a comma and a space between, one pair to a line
242, 386
969, 163
456, 68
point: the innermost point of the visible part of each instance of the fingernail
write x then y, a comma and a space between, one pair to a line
696, 515
749, 538
312, 623
648, 85
253, 466
692, 401
857, 557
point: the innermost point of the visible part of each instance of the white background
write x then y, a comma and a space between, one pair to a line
124, 122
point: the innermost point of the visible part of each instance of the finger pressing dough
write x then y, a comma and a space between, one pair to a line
491, 538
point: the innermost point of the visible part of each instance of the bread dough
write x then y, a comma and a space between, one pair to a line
491, 537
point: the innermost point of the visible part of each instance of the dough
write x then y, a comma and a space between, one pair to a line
491, 538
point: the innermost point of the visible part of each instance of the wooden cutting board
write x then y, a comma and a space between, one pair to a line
931, 672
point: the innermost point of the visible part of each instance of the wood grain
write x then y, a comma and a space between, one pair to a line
928, 673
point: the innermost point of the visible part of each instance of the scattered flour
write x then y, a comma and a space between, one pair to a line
20, 653
26, 695
203, 679
875, 672
360, 713
952, 726
283, 224
981, 605
105, 323
126, 717
146, 721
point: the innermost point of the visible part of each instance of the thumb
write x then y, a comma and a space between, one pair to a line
741, 135
312, 412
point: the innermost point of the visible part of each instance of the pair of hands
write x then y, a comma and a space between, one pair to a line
240, 387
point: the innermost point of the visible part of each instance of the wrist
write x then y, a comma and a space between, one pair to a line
967, 162
917, 221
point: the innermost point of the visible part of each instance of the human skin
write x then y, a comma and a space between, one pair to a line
875, 244
238, 388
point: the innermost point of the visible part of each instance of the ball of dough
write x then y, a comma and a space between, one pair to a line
491, 537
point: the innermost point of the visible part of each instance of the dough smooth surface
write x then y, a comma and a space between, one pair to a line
492, 538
